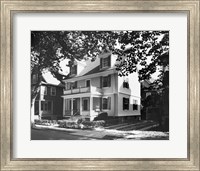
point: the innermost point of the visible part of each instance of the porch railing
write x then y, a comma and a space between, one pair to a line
77, 90
83, 90
72, 112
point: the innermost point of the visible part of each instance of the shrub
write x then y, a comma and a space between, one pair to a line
99, 123
101, 116
93, 124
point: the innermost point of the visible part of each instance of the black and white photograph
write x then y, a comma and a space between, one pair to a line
99, 85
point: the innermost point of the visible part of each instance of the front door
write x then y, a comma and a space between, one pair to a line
76, 106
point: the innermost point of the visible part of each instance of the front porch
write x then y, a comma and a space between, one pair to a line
88, 107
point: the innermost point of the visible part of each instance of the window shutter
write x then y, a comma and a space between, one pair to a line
75, 84
123, 103
75, 69
109, 81
101, 100
100, 62
109, 60
101, 83
109, 102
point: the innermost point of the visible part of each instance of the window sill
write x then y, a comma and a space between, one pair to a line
105, 87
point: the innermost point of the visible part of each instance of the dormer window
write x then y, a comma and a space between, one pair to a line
73, 70
126, 83
105, 62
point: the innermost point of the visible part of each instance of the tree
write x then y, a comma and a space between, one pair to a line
140, 51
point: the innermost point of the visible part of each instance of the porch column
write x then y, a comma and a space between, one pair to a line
40, 112
64, 103
80, 106
71, 106
91, 104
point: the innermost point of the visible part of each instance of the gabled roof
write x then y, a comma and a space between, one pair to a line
49, 79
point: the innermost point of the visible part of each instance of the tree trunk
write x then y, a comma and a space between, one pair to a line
32, 110
34, 94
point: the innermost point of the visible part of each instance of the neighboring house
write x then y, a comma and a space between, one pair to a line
95, 87
149, 101
155, 105
48, 103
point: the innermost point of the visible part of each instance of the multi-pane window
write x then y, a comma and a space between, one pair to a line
126, 83
125, 103
135, 105
106, 102
86, 104
106, 81
105, 62
74, 84
53, 91
46, 105
73, 70
87, 83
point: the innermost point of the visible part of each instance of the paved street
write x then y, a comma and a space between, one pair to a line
43, 134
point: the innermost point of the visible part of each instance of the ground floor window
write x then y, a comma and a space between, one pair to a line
106, 103
86, 103
135, 105
46, 105
125, 103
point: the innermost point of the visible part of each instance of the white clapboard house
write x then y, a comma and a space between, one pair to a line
93, 87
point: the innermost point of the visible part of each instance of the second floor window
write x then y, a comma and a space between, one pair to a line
135, 105
53, 91
87, 83
125, 103
106, 81
74, 85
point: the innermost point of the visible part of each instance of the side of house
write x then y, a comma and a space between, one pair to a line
48, 103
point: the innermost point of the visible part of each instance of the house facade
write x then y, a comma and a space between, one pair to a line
93, 87
48, 103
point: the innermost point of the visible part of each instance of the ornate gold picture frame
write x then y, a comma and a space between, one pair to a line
9, 8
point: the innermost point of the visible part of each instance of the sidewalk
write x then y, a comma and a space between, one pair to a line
111, 134
96, 134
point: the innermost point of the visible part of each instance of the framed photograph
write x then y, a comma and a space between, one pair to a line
100, 85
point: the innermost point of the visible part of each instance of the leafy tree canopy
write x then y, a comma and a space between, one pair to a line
142, 51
